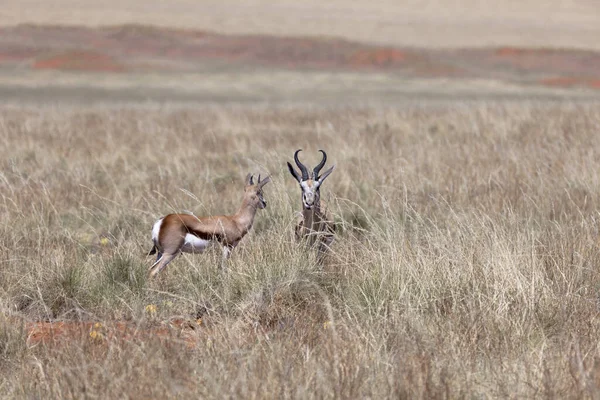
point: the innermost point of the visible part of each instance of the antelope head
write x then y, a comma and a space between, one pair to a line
253, 193
310, 183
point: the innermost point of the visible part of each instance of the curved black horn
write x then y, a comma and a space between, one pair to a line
301, 166
321, 164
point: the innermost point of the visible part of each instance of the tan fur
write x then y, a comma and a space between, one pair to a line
226, 230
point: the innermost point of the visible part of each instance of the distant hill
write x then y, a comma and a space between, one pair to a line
137, 48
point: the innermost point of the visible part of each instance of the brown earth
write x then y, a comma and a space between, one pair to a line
135, 48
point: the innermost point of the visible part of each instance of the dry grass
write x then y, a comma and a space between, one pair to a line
466, 263
434, 23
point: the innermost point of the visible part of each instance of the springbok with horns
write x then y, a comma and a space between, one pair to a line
186, 233
315, 224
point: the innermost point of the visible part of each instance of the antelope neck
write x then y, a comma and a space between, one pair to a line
245, 215
312, 214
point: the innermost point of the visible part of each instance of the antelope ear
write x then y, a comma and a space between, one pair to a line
325, 174
293, 172
248, 180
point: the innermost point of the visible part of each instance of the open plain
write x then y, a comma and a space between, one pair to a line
465, 262
465, 195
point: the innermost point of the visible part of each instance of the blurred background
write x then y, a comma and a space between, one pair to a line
364, 52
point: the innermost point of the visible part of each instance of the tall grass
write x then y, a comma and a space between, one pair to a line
465, 263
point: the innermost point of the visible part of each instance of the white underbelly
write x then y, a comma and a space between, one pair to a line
194, 244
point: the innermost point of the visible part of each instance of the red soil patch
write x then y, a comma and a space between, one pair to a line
417, 63
56, 333
558, 61
79, 60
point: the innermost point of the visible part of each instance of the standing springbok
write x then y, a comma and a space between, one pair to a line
315, 224
177, 233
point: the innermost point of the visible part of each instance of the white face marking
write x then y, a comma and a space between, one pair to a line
193, 244
156, 230
310, 193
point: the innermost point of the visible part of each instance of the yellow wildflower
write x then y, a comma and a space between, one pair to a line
104, 241
95, 335
151, 308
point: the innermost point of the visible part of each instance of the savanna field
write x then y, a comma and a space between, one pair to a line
466, 261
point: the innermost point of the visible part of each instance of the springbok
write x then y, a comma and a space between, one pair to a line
314, 224
186, 233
